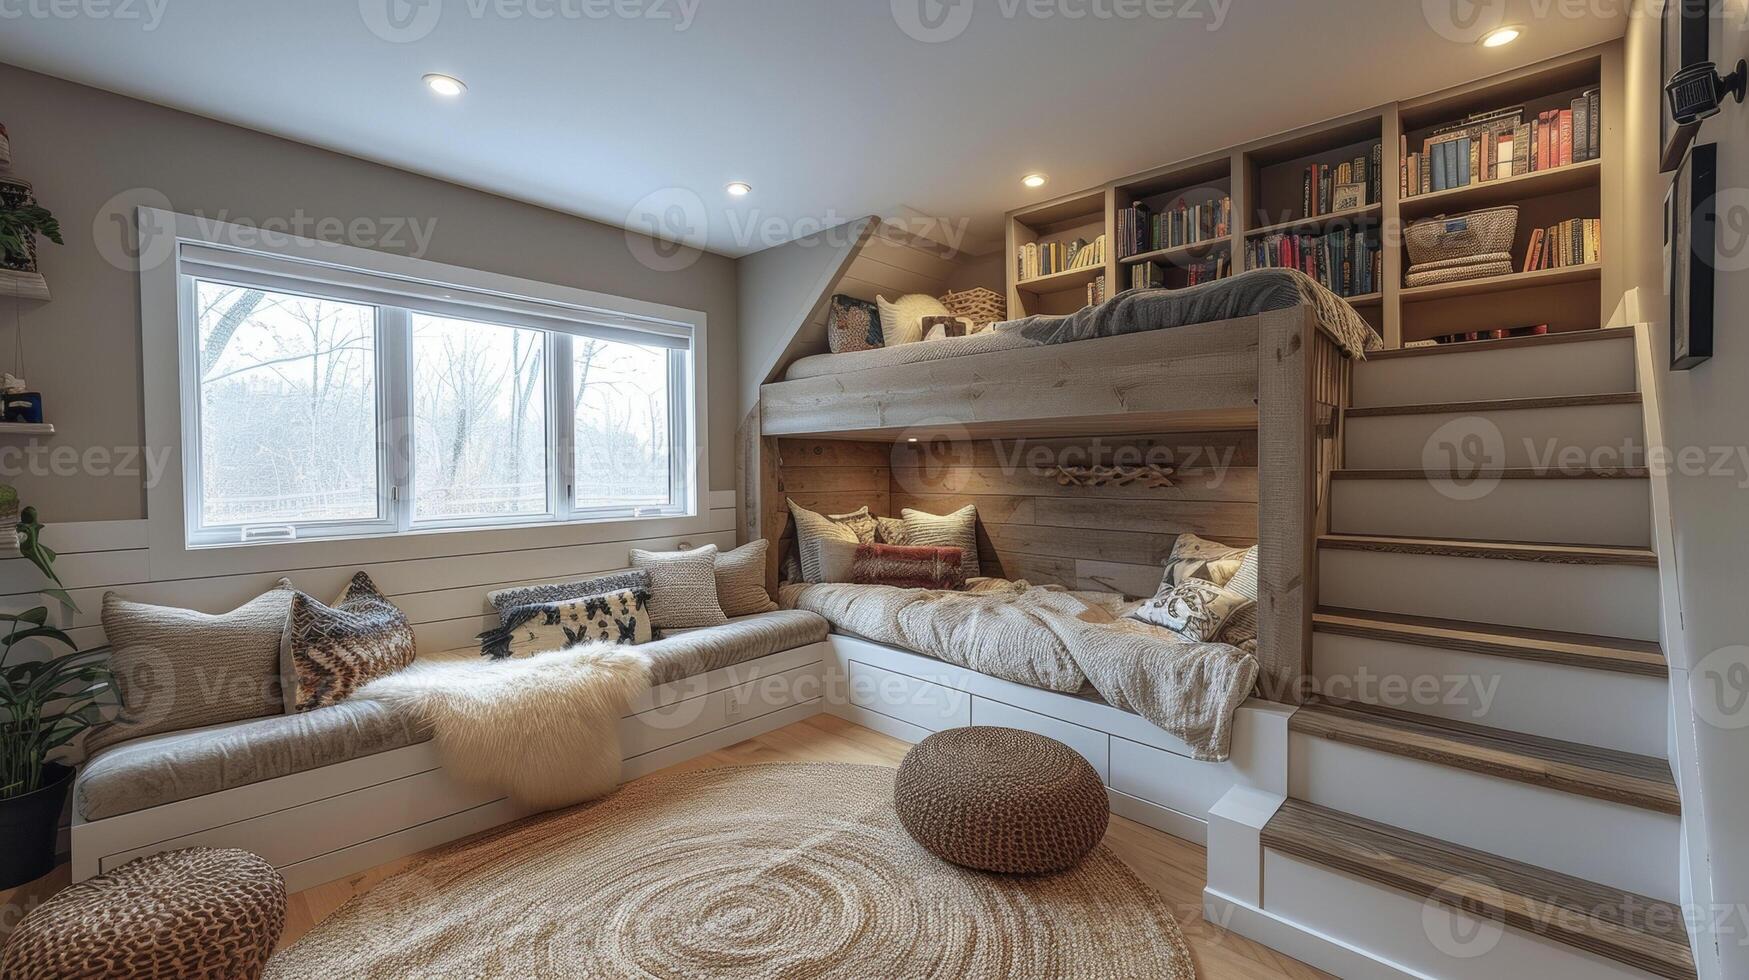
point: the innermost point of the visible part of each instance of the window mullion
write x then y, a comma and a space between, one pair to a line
562, 429
397, 431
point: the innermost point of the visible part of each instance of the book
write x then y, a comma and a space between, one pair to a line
1533, 253
1594, 123
1581, 113
1565, 121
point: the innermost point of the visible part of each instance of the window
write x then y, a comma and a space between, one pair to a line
330, 403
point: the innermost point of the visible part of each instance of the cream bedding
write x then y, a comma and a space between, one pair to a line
1055, 639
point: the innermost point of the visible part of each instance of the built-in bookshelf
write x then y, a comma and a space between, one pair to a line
1283, 209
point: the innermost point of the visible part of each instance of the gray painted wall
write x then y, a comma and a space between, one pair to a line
80, 147
779, 287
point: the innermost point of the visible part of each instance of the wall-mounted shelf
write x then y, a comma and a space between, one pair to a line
1058, 281
1506, 190
1367, 214
1503, 284
26, 429
1193, 250
23, 285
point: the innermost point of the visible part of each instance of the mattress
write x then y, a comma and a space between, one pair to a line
1133, 311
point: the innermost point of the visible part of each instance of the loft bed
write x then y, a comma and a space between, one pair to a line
1277, 377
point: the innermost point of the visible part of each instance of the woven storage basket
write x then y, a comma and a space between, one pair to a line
1434, 273
980, 304
1460, 236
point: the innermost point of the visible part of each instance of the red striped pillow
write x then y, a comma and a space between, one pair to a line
908, 567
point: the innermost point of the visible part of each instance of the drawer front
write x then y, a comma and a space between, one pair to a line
310, 829
1172, 781
1094, 746
921, 703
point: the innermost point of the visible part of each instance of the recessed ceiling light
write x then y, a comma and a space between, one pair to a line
445, 85
1500, 36
1034, 180
911, 439
739, 188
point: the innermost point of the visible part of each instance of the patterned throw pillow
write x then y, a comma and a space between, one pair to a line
853, 324
902, 318
956, 530
177, 668
505, 600
616, 617
329, 651
1241, 629
889, 530
1196, 610
1194, 557
683, 587
812, 527
741, 580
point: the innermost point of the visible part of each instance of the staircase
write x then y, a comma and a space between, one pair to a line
1490, 730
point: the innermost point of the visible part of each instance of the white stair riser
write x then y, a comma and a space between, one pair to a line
1429, 938
1603, 600
1605, 708
1548, 828
1595, 368
1576, 511
1567, 437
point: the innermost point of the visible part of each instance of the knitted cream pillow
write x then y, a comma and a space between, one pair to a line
683, 587
811, 528
741, 580
956, 530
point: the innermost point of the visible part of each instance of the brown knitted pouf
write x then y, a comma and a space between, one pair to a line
191, 915
998, 799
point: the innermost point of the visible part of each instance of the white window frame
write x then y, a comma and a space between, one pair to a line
176, 249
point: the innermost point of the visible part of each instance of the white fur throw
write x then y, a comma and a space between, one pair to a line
543, 729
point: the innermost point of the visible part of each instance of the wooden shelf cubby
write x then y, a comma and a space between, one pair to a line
1265, 180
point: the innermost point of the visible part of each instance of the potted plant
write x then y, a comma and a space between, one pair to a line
44, 705
21, 221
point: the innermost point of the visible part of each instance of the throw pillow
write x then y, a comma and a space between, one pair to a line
621, 617
1195, 557
836, 556
889, 530
683, 587
853, 324
177, 668
812, 527
505, 600
944, 327
741, 580
908, 568
902, 318
1241, 629
330, 650
1197, 610
956, 530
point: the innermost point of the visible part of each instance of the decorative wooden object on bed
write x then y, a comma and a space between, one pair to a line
1151, 475
1272, 384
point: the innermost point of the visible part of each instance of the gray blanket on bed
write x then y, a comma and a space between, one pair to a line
1245, 294
1051, 638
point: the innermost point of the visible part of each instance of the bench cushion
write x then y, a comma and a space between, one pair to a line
159, 769
684, 653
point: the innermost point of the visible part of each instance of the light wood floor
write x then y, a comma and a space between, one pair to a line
1175, 868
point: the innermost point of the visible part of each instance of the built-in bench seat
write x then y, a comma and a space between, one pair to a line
325, 792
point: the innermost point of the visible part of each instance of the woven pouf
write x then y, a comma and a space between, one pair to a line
998, 799
190, 915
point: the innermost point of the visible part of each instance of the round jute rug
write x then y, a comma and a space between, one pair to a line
774, 871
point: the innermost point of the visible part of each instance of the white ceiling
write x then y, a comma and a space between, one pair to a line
830, 108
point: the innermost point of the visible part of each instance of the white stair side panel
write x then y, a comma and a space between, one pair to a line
1548, 828
1563, 511
1604, 600
1595, 368
1606, 708
1595, 436
1421, 938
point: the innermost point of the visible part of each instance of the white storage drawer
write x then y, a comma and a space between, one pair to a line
908, 699
1173, 781
1094, 746
661, 727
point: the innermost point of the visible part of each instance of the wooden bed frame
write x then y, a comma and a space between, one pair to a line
1278, 374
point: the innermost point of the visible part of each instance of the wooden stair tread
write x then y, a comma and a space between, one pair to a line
1586, 770
1548, 646
1513, 473
1564, 554
1632, 929
1498, 405
1506, 343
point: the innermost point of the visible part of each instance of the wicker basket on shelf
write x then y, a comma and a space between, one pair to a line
1460, 236
982, 306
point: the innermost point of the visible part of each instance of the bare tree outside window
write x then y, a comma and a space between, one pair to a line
288, 407
621, 398
480, 421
